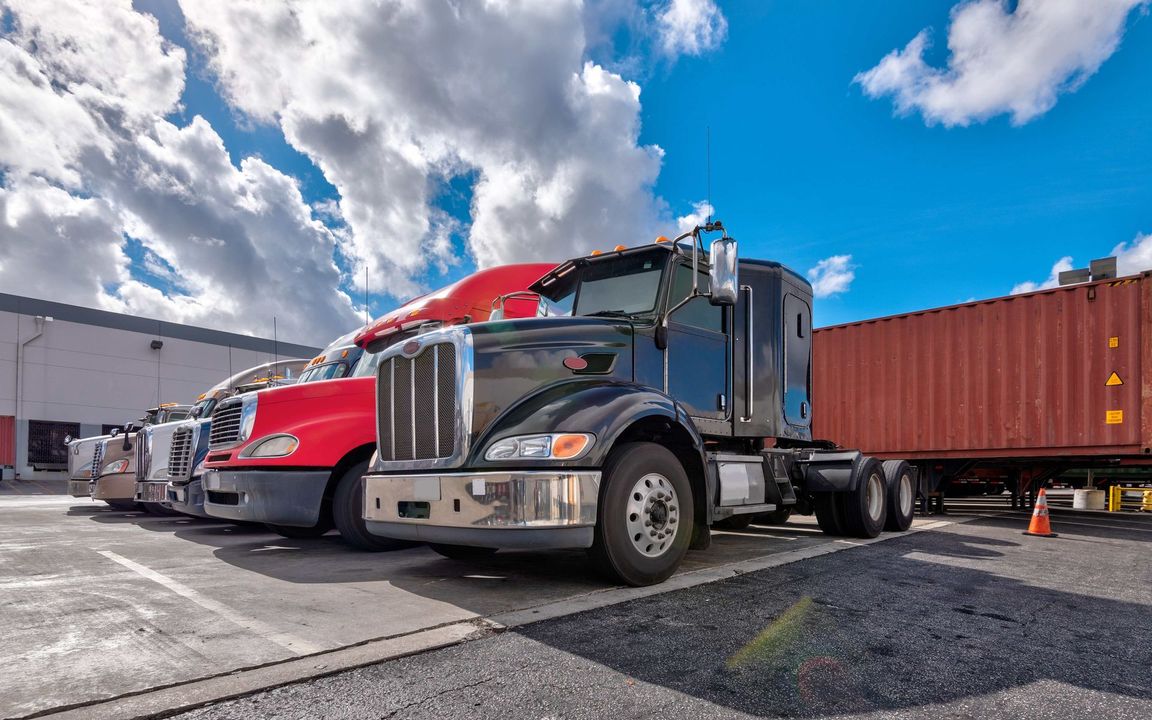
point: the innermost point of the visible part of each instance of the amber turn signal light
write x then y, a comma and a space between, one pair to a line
567, 446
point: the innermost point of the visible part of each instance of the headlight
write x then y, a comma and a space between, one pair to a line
272, 446
247, 417
557, 446
115, 467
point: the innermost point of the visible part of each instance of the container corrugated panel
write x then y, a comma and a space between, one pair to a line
1017, 376
7, 440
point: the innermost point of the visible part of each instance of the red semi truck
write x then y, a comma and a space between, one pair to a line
292, 457
1007, 392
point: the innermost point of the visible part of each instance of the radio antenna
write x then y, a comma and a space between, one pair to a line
708, 167
367, 319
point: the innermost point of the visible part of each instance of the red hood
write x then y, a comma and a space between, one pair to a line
467, 300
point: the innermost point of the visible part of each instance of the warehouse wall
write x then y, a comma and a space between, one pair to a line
98, 368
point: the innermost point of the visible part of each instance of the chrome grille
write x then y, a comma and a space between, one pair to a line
97, 456
423, 401
143, 456
182, 454
226, 423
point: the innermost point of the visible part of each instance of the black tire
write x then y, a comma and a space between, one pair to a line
901, 495
348, 513
123, 504
301, 533
735, 522
776, 517
157, 509
828, 513
864, 510
616, 550
462, 552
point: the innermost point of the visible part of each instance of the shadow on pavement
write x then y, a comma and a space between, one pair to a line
849, 633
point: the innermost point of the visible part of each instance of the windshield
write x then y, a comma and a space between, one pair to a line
340, 363
204, 408
616, 287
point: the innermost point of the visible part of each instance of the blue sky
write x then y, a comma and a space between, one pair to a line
943, 180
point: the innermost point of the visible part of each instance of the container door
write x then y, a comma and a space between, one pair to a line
797, 361
698, 351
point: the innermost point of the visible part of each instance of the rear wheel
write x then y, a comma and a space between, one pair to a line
348, 513
865, 509
901, 495
828, 514
645, 517
462, 552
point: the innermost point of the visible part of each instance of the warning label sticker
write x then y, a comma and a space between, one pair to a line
1114, 379
1114, 417
1113, 342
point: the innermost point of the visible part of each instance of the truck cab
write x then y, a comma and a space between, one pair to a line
170, 452
113, 464
673, 394
292, 458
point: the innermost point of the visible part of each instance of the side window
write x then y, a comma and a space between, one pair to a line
698, 312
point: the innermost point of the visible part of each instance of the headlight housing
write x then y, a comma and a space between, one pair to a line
247, 416
115, 467
552, 446
271, 446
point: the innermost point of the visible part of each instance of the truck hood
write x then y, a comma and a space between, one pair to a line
516, 359
319, 391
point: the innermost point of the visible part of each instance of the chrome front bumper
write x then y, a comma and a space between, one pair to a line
121, 486
516, 509
152, 492
80, 488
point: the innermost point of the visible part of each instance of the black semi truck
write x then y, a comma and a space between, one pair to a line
666, 389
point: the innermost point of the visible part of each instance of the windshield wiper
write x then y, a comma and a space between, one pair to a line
610, 313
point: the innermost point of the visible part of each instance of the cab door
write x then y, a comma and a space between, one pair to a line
699, 351
797, 361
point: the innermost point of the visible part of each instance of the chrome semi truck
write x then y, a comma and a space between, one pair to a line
675, 393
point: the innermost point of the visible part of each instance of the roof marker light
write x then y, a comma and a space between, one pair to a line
662, 239
618, 248
594, 253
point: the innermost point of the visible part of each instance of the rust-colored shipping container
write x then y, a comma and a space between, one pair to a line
7, 440
1039, 381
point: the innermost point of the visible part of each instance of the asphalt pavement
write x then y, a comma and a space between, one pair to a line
971, 620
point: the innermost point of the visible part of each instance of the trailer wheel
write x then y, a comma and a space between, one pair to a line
828, 513
645, 516
348, 513
865, 509
462, 552
901, 495
776, 517
301, 533
735, 522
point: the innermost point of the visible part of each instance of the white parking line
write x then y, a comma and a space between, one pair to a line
288, 642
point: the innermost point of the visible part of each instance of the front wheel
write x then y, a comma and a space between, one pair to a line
348, 513
645, 517
301, 533
123, 504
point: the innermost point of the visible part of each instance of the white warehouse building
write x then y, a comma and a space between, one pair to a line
68, 370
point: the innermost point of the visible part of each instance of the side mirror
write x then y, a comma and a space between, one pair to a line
115, 432
68, 439
722, 275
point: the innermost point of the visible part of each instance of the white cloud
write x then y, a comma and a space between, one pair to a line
701, 211
1062, 265
832, 276
690, 27
1002, 62
1135, 256
88, 158
551, 138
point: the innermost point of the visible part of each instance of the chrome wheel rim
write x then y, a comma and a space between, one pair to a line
905, 495
652, 515
875, 497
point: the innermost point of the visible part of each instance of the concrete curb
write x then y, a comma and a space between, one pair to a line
198, 693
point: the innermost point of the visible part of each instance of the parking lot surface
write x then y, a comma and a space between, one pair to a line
98, 603
968, 620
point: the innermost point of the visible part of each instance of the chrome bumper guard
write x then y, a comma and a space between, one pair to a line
152, 492
532, 509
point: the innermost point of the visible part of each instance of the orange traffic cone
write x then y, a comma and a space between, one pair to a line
1040, 525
